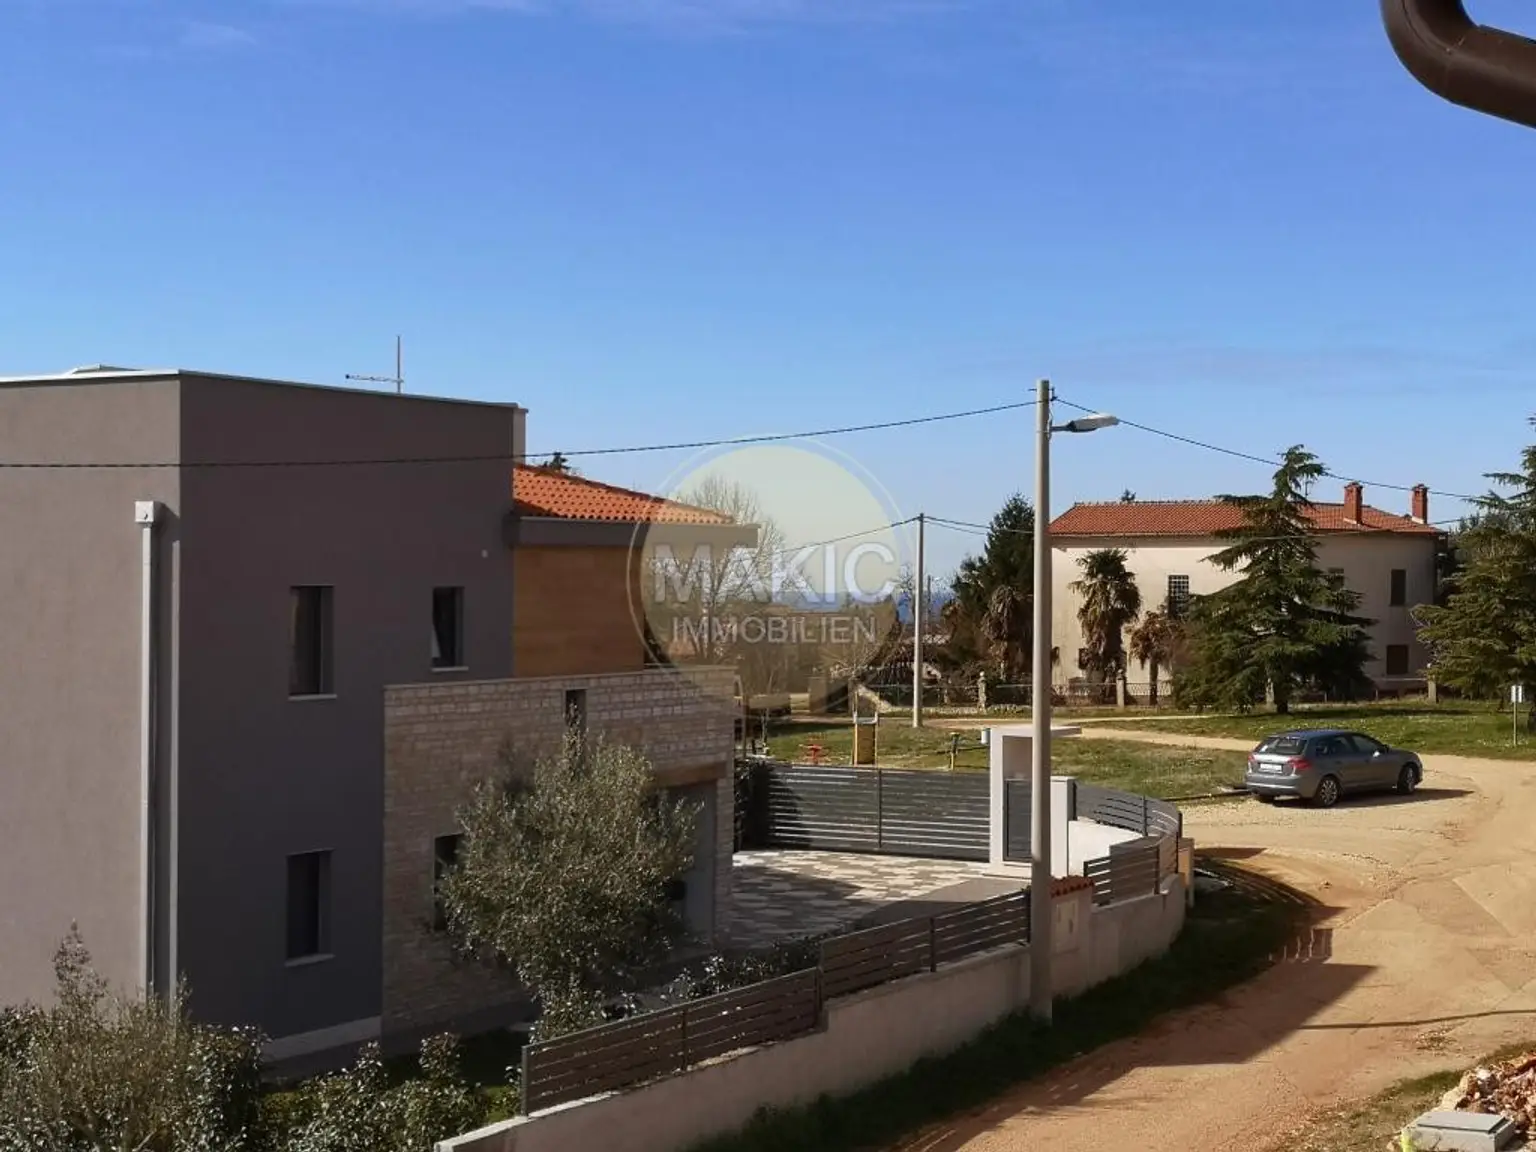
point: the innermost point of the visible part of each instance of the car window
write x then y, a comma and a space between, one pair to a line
1329, 746
1366, 744
1280, 746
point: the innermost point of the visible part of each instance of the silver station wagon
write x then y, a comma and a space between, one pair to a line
1322, 764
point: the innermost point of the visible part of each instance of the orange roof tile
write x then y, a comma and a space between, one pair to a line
540, 492
1207, 517
1066, 885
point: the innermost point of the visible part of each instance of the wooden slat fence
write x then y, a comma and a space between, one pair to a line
644, 1047
641, 1048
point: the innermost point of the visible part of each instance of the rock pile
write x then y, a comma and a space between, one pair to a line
1507, 1089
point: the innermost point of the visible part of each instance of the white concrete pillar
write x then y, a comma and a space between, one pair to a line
1010, 750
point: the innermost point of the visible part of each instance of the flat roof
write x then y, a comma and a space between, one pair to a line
101, 373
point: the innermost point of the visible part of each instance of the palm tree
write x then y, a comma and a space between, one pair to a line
1154, 644
1110, 604
1008, 627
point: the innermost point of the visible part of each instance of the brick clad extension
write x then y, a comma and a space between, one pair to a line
572, 613
441, 740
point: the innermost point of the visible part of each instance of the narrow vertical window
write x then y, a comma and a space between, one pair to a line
309, 905
310, 641
447, 627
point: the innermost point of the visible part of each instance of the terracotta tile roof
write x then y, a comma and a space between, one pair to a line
540, 492
1066, 885
1207, 517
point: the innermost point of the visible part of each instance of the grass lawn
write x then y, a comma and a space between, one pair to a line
1227, 939
1457, 729
1375, 1122
1148, 769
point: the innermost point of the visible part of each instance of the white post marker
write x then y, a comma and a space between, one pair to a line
1516, 698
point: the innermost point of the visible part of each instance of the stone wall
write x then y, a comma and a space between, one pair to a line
441, 740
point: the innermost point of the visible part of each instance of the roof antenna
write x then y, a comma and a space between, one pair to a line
398, 379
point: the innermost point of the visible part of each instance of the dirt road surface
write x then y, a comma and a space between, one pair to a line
1423, 958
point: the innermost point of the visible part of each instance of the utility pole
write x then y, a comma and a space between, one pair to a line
918, 624
1041, 903
398, 379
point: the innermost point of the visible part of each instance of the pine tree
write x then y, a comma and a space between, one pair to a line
1286, 624
1484, 637
991, 615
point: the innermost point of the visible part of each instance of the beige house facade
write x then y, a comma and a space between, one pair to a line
1388, 558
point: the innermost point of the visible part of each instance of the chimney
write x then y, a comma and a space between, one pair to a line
1420, 503
1354, 502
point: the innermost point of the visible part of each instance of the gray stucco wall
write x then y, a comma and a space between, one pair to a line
263, 776
70, 667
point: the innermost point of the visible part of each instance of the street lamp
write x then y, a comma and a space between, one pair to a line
1041, 906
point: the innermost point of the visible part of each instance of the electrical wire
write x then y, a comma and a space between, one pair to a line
727, 442
1269, 461
971, 528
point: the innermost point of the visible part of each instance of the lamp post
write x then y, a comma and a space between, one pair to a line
1041, 906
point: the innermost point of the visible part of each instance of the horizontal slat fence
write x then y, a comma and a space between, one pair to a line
979, 927
901, 812
641, 1048
1130, 870
874, 956
1129, 811
858, 810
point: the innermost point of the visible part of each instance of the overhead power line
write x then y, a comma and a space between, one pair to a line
1269, 461
727, 442
972, 528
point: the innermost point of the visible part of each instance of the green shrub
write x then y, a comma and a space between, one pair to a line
100, 1071
359, 1110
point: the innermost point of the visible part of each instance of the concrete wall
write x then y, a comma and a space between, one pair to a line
441, 740
263, 776
1089, 841
70, 676
863, 1038
1367, 562
574, 611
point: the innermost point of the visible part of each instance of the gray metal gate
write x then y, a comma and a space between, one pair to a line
899, 812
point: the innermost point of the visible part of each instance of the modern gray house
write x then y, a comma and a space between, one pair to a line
259, 644
209, 582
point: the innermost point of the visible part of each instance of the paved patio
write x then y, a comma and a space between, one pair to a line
779, 894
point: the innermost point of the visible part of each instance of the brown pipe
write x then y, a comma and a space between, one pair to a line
1485, 69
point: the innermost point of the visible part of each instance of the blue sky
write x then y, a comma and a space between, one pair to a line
653, 220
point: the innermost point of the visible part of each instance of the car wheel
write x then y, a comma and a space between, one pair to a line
1407, 780
1327, 794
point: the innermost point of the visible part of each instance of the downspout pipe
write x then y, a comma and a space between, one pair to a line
146, 514
1485, 69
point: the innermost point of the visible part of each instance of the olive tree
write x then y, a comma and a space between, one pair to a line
562, 875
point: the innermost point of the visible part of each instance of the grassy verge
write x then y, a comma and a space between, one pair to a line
1229, 937
1453, 729
1148, 769
1375, 1122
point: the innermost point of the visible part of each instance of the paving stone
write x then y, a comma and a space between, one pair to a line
782, 894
